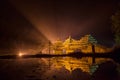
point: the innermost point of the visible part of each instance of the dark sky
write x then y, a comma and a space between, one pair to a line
36, 21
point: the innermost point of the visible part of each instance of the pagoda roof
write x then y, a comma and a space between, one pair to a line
69, 40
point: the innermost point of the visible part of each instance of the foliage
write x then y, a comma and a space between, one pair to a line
116, 26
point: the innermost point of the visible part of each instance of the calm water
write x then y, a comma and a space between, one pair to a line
59, 68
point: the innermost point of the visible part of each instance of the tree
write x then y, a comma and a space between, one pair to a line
116, 26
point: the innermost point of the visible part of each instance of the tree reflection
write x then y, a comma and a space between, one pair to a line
107, 71
78, 74
67, 68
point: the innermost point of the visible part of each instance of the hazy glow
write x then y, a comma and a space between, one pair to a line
43, 24
57, 21
20, 54
51, 26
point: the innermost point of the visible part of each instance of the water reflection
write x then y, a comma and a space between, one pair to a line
59, 68
68, 68
71, 64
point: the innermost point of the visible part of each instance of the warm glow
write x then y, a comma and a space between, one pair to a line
72, 63
84, 44
20, 54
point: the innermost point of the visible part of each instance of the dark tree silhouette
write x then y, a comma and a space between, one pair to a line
116, 25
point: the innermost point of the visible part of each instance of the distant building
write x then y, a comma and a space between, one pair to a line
83, 45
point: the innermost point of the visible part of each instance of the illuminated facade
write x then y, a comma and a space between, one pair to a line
82, 45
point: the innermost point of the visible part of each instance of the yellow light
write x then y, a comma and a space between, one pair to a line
20, 54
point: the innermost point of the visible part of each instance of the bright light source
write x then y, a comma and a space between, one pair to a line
20, 54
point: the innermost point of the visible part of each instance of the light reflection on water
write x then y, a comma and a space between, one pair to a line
66, 67
71, 64
57, 68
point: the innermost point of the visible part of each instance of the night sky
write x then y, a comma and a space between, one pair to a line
33, 22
